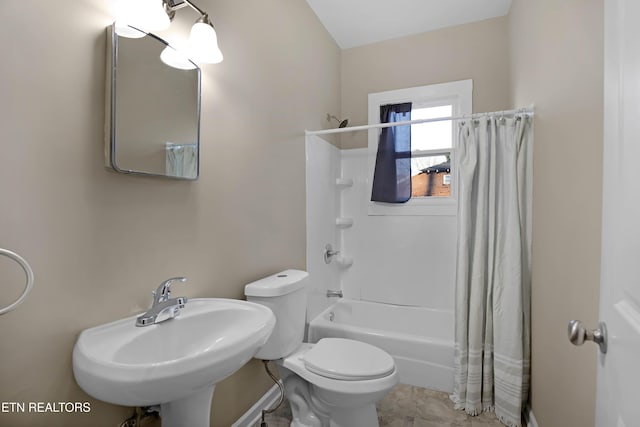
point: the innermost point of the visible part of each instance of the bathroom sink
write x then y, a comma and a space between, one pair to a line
174, 362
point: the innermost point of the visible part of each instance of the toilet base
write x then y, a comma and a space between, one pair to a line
309, 410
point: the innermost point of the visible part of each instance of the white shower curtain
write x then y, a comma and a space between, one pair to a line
493, 278
181, 160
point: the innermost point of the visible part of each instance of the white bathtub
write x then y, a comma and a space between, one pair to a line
419, 339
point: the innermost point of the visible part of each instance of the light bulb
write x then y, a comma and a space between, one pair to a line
156, 17
176, 58
148, 15
203, 43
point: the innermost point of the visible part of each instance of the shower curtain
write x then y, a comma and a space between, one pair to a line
181, 160
493, 279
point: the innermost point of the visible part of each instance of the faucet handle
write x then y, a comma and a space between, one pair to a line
329, 253
163, 292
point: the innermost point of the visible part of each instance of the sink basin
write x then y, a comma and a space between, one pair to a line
174, 364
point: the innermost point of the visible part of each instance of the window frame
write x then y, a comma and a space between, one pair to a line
459, 95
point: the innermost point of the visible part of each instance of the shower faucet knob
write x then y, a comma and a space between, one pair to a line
329, 253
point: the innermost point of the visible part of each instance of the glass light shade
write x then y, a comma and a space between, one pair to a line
203, 44
176, 58
148, 15
124, 30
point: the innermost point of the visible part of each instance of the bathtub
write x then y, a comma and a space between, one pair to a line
419, 339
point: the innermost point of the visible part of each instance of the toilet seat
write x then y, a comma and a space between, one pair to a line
295, 363
348, 360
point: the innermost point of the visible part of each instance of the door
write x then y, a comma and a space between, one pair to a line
618, 401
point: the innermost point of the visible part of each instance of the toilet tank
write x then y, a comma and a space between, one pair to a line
285, 294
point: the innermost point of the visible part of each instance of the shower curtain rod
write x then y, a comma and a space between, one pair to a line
526, 111
175, 146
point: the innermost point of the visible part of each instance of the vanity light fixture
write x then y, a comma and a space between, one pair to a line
148, 15
154, 15
203, 41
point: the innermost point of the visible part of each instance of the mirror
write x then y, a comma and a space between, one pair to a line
153, 110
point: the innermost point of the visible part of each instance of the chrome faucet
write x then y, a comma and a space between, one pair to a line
163, 306
331, 293
329, 253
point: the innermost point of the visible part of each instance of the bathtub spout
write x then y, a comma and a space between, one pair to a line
334, 294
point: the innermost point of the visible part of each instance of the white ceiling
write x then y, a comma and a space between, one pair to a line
358, 22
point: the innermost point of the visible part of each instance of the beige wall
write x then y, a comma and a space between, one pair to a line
556, 51
477, 51
99, 242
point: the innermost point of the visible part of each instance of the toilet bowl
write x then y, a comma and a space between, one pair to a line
333, 383
323, 381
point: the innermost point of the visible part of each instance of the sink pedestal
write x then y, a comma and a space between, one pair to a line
193, 410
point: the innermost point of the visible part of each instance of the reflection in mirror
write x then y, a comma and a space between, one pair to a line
153, 110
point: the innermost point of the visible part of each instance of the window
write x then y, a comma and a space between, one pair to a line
433, 168
431, 145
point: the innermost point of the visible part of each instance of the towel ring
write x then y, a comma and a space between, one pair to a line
27, 270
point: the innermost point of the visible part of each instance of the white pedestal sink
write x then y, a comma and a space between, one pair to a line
175, 364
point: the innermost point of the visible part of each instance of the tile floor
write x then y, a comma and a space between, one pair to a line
409, 406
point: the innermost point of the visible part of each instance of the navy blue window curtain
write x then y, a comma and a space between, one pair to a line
392, 174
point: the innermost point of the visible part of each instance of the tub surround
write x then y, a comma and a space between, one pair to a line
404, 259
418, 271
323, 193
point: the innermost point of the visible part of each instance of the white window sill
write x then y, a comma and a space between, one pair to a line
443, 206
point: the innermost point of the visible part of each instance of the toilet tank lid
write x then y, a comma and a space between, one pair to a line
277, 284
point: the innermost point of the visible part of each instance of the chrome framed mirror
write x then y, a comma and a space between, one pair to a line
152, 123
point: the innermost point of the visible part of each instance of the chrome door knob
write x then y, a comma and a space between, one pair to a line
578, 334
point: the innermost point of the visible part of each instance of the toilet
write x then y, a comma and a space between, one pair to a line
333, 383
